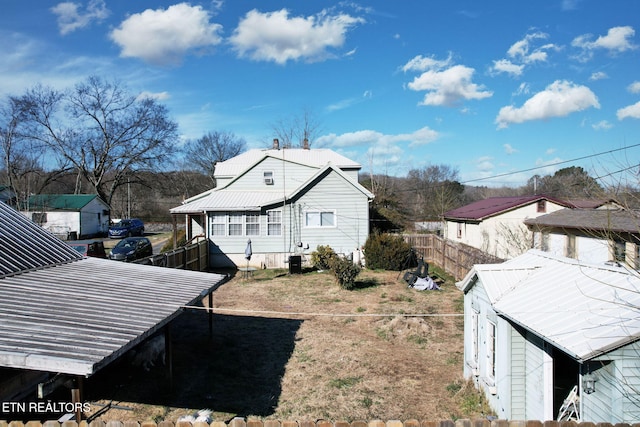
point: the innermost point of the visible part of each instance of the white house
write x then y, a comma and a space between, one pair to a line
539, 326
70, 216
496, 225
286, 202
591, 235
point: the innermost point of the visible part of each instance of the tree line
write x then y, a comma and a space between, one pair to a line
99, 138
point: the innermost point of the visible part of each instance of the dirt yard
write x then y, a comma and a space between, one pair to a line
297, 347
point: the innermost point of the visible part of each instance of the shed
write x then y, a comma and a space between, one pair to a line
539, 325
63, 313
70, 216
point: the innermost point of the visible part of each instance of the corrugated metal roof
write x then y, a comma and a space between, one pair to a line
76, 318
316, 157
63, 313
67, 202
608, 220
230, 200
584, 309
24, 245
495, 205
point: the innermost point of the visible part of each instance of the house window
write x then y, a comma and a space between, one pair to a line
474, 338
274, 223
542, 206
39, 217
491, 350
459, 230
619, 250
218, 223
571, 246
544, 242
235, 224
268, 177
320, 219
252, 224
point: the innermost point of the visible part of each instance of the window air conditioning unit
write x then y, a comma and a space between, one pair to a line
268, 180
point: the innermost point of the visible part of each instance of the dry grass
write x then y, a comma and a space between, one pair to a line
299, 347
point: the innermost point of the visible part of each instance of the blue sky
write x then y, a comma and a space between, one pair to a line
501, 88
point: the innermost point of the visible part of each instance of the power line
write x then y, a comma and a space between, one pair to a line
551, 164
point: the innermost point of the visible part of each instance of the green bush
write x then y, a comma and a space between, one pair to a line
388, 252
345, 272
322, 257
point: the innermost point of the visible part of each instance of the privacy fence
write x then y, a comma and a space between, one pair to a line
240, 422
454, 258
194, 256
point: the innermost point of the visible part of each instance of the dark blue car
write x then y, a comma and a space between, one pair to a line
126, 228
131, 249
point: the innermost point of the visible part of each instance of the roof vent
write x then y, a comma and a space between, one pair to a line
276, 144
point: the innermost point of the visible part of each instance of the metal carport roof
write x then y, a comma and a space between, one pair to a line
66, 314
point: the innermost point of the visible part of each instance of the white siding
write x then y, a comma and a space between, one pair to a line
518, 375
286, 176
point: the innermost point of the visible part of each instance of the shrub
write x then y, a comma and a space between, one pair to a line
322, 257
345, 272
388, 252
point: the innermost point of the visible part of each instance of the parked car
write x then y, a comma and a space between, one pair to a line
126, 228
94, 248
131, 249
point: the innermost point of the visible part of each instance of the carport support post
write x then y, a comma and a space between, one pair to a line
76, 397
210, 310
168, 351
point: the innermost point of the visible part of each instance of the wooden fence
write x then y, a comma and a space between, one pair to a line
454, 258
241, 422
190, 257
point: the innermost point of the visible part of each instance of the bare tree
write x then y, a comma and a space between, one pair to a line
212, 148
435, 189
23, 169
106, 133
294, 131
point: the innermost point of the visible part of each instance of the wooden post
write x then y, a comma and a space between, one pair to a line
210, 310
76, 397
168, 353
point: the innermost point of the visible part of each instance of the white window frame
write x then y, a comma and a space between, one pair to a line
252, 223
218, 221
320, 214
490, 367
273, 221
475, 340
235, 224
267, 177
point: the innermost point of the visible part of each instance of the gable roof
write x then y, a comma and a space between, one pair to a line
317, 157
65, 202
583, 309
225, 198
61, 312
482, 209
611, 220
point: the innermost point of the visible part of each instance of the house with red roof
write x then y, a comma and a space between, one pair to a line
496, 225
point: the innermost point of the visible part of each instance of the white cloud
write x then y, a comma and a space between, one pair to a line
159, 96
419, 137
602, 125
506, 66
164, 37
523, 53
634, 87
598, 75
559, 99
617, 40
444, 86
71, 17
629, 112
509, 149
277, 37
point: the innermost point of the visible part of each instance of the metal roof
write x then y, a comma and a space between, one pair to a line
317, 157
607, 220
68, 202
495, 205
60, 312
583, 309
24, 245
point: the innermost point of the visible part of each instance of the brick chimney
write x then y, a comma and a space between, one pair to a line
276, 144
305, 144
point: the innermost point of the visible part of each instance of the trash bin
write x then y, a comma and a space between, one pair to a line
295, 264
